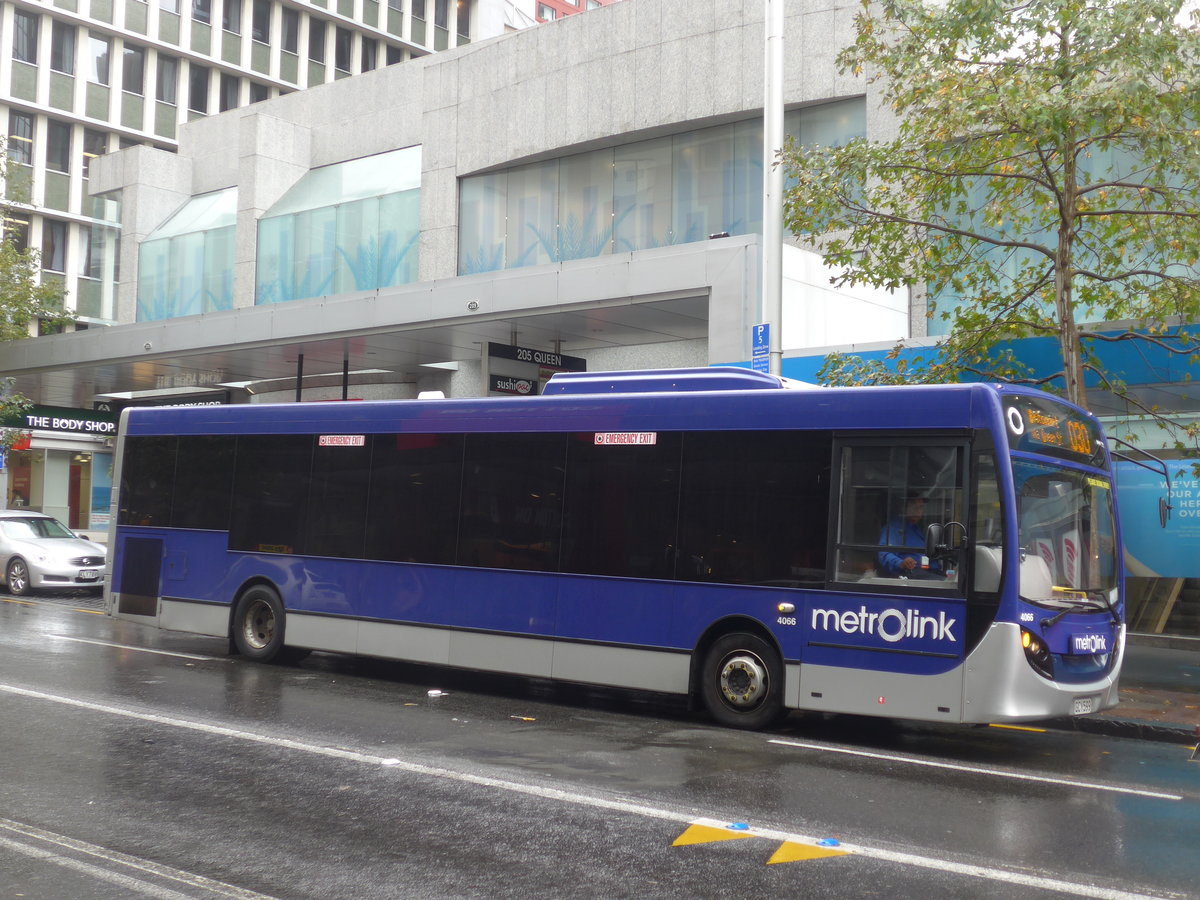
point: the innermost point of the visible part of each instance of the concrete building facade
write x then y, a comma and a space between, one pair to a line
589, 190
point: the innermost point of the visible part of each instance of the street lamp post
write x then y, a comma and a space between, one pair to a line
772, 250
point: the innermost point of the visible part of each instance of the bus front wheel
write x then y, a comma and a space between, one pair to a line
258, 624
742, 683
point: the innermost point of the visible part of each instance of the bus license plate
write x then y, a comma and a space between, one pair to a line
1081, 706
88, 574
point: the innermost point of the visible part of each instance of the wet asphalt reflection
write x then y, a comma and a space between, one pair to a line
146, 763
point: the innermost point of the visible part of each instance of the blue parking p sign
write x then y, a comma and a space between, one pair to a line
760, 343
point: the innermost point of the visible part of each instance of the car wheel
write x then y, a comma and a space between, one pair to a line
258, 624
18, 577
742, 683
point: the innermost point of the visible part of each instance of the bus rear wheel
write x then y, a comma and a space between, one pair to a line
258, 624
742, 682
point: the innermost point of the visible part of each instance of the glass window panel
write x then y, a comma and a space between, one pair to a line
358, 249
290, 30
369, 54
202, 11
171, 6
532, 209
230, 88
642, 196
187, 275
274, 264
316, 237
133, 70
20, 138
205, 211
147, 478
585, 195
198, 89
702, 161
58, 146
889, 495
316, 40
512, 499
441, 13
168, 79
270, 493
343, 42
414, 499
231, 16
399, 237
62, 47
620, 510
337, 502
418, 9
154, 295
738, 518
95, 143
394, 55
261, 21
482, 207
98, 60
833, 124
54, 245
259, 92
357, 179
218, 269
25, 36
204, 482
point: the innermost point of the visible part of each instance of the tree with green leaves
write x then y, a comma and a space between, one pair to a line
26, 300
1045, 176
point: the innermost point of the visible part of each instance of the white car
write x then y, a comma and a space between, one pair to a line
38, 551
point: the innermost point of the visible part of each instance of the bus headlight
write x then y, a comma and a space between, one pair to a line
1037, 653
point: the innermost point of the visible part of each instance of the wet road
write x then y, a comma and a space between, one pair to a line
137, 763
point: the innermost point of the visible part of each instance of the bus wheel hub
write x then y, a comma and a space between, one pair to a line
743, 679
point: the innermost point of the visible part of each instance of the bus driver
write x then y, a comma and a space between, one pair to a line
903, 534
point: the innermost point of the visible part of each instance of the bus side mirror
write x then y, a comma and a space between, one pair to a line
934, 547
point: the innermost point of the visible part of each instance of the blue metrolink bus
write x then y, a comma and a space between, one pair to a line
943, 552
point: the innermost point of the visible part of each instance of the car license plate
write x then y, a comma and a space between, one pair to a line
88, 574
1081, 706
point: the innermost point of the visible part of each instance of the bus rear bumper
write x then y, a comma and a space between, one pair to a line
999, 684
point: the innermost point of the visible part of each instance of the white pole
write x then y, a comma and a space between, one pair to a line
772, 250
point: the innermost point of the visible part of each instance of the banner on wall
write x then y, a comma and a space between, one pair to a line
1173, 551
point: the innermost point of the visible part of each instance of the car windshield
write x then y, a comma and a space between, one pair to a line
1068, 546
34, 528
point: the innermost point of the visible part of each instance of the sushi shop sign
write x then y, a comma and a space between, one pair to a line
522, 371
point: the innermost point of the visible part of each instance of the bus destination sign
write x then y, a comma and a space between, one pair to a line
1041, 425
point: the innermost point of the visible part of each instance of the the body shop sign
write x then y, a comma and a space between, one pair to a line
68, 421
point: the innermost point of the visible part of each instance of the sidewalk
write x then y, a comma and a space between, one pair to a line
1160, 697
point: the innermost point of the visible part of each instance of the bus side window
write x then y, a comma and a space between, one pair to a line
890, 494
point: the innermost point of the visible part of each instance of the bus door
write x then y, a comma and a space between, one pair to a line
135, 583
888, 636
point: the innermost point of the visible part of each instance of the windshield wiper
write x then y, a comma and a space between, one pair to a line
1083, 604
1074, 607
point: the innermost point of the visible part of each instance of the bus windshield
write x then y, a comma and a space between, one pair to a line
1067, 536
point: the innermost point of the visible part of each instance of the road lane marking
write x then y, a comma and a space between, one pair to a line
114, 858
977, 770
630, 807
63, 637
82, 609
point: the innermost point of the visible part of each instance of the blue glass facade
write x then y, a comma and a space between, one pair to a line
669, 190
185, 266
353, 226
